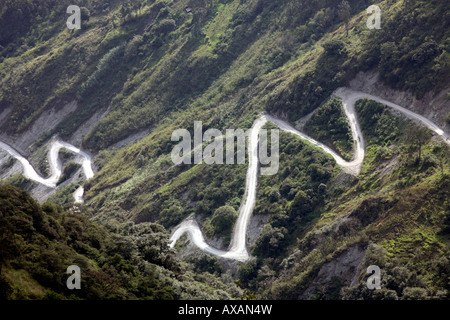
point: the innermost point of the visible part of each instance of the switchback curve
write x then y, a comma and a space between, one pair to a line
238, 249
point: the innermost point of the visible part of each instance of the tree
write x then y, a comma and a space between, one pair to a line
7, 245
142, 5
274, 195
302, 204
165, 26
442, 151
223, 219
85, 14
417, 136
270, 241
344, 14
126, 9
389, 60
415, 293
334, 47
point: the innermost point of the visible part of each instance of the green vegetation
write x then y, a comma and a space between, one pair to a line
329, 125
39, 160
223, 220
117, 261
293, 197
68, 170
65, 155
395, 214
8, 163
64, 196
20, 181
380, 127
104, 68
152, 61
152, 65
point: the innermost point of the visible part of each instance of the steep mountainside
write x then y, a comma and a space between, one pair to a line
137, 70
128, 261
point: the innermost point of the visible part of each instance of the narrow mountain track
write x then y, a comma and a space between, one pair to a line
238, 248
84, 159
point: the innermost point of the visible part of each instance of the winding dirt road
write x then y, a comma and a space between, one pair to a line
238, 248
55, 164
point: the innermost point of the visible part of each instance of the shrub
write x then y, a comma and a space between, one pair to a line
274, 195
131, 50
165, 26
330, 125
302, 204
334, 47
106, 65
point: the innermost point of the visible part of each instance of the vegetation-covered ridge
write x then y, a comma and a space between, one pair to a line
117, 261
151, 60
395, 214
153, 66
217, 108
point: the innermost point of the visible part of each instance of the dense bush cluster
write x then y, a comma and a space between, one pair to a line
414, 57
69, 169
395, 213
379, 126
106, 65
329, 124
408, 54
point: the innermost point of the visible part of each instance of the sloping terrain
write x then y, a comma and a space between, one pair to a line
138, 70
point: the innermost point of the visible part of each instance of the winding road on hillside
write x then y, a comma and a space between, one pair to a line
238, 248
55, 165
